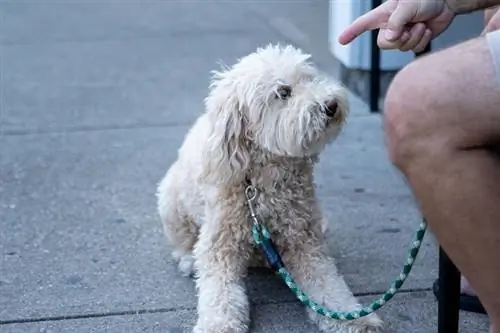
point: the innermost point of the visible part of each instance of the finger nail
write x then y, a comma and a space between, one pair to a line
390, 34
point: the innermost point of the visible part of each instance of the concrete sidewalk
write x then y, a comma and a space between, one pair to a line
95, 99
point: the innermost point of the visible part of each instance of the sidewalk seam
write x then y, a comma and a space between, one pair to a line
167, 310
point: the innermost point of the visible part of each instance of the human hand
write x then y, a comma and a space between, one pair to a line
404, 24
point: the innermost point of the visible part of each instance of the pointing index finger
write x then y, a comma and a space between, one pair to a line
374, 19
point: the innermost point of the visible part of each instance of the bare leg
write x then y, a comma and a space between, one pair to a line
316, 274
222, 254
442, 118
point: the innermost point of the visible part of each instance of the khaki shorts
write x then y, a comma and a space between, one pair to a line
493, 39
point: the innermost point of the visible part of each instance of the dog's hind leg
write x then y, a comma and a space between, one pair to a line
181, 233
179, 228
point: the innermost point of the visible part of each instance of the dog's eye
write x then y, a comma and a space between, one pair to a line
284, 92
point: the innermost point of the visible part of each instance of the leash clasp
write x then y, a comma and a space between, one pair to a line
251, 194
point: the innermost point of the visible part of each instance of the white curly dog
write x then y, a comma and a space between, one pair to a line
267, 119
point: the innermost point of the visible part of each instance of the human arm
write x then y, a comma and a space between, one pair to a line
404, 24
468, 6
412, 24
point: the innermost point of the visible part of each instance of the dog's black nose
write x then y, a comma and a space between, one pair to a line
331, 108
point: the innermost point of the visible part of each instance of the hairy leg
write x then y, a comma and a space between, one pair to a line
442, 116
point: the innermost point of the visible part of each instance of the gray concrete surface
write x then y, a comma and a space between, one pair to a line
95, 98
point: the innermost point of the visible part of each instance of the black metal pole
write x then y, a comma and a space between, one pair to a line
449, 295
374, 66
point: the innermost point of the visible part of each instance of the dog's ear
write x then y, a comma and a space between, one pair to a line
226, 153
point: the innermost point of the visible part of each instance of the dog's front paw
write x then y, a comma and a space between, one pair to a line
368, 324
222, 307
227, 327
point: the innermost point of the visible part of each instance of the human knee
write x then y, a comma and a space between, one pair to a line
410, 116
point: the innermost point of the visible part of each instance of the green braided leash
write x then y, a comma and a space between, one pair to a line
262, 239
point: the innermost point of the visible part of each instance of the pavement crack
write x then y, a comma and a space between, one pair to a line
171, 309
80, 129
405, 291
95, 315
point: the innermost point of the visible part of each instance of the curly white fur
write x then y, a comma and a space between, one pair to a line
266, 122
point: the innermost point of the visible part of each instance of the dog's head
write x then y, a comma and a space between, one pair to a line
273, 100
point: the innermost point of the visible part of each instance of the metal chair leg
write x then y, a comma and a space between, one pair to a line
449, 295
